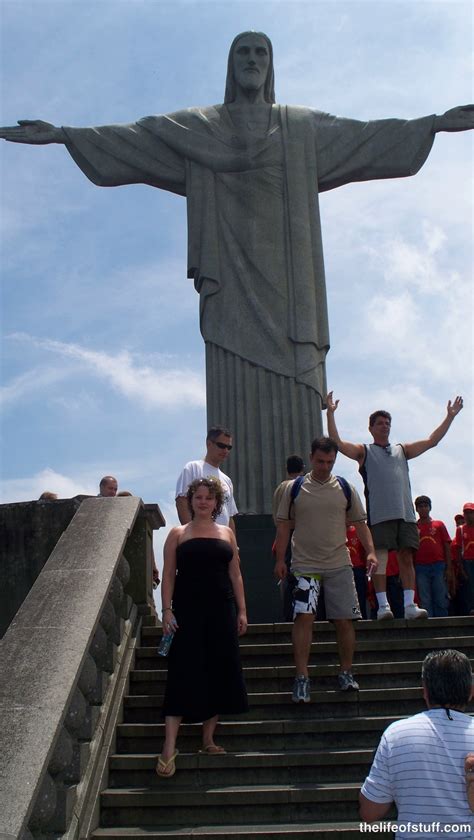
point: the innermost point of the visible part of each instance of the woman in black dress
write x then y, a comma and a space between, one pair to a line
204, 603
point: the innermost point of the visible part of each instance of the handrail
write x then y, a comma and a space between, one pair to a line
68, 636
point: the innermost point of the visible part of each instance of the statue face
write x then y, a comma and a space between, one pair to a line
250, 61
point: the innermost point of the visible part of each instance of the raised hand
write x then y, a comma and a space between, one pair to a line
454, 407
331, 403
460, 118
36, 132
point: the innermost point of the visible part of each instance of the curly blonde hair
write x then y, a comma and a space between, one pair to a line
215, 488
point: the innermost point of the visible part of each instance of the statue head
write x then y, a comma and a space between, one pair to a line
230, 84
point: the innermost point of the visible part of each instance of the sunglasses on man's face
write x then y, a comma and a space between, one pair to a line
223, 445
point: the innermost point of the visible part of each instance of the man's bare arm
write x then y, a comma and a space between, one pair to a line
355, 451
35, 132
412, 450
184, 514
371, 811
281, 543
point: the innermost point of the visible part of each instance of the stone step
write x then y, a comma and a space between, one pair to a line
172, 805
366, 630
239, 736
404, 701
272, 831
289, 769
280, 678
246, 768
414, 647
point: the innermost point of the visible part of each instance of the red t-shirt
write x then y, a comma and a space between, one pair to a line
356, 549
392, 564
465, 538
433, 538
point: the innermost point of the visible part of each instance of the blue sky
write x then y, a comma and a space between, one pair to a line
103, 363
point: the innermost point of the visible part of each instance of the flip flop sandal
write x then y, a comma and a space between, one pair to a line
213, 749
162, 767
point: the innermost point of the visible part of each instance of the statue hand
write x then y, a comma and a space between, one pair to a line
36, 132
456, 119
454, 407
331, 404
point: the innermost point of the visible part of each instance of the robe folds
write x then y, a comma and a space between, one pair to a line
255, 254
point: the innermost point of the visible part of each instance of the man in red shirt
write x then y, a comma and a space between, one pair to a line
359, 567
432, 560
465, 548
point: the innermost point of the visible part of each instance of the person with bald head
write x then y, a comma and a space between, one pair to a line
108, 486
251, 171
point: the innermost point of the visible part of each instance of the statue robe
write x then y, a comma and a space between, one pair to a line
255, 254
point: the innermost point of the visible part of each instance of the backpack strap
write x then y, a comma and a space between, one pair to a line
346, 489
295, 489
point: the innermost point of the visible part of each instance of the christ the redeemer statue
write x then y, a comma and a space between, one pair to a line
251, 172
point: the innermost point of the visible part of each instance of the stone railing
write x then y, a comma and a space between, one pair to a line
64, 664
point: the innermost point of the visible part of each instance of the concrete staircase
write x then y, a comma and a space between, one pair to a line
291, 770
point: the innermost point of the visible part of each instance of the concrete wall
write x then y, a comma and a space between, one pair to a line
30, 531
64, 663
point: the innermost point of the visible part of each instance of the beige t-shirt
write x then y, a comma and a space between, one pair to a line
277, 497
319, 511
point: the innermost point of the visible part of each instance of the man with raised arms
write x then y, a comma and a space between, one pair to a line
390, 512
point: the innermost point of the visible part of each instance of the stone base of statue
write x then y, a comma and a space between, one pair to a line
255, 536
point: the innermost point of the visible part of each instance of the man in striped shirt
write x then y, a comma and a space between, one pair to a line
424, 763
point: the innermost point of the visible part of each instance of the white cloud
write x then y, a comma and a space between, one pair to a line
28, 383
410, 305
31, 487
167, 388
417, 264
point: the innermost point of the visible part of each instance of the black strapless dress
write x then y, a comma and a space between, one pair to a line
204, 670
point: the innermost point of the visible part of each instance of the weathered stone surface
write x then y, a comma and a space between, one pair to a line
65, 801
88, 678
107, 616
98, 647
76, 713
123, 571
46, 645
63, 753
255, 535
45, 804
30, 530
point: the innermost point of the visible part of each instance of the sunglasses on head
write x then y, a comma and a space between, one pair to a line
223, 445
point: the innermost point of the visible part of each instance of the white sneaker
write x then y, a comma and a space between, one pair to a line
412, 611
384, 612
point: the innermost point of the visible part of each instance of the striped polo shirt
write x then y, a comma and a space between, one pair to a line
419, 764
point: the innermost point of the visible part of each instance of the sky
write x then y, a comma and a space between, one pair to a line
102, 359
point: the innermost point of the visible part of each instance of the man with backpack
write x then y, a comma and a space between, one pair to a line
320, 506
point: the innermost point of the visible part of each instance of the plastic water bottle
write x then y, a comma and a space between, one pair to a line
165, 644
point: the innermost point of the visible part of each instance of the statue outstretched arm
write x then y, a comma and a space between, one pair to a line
460, 118
35, 132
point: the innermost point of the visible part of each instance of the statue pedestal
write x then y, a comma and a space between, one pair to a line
255, 536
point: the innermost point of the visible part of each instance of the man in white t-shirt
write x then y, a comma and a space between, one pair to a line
424, 764
218, 446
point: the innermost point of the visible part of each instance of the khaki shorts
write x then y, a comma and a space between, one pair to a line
340, 594
395, 534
